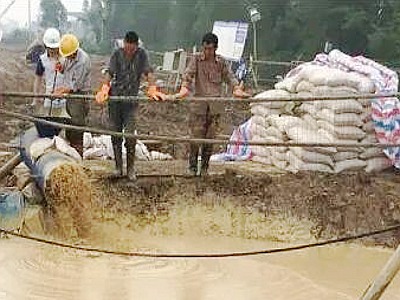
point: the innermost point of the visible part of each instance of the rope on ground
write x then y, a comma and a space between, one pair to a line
203, 255
26, 117
209, 99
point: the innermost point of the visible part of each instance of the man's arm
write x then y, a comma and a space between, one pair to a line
228, 75
190, 73
38, 82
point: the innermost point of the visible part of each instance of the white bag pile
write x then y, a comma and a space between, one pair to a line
101, 148
322, 121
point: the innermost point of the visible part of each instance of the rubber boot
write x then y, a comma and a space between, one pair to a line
130, 160
206, 153
118, 160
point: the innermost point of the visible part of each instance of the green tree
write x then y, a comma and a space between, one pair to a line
53, 14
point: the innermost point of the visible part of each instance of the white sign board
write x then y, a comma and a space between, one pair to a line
231, 38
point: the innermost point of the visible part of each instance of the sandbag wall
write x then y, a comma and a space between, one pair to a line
322, 121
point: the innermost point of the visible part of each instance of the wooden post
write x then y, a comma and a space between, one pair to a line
10, 165
385, 277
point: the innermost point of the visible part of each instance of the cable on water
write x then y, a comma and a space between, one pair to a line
26, 117
202, 255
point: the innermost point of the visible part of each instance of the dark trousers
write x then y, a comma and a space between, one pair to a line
122, 117
205, 125
78, 109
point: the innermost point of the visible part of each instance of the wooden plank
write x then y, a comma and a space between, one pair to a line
10, 165
385, 277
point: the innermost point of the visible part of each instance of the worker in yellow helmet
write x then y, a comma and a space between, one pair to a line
77, 74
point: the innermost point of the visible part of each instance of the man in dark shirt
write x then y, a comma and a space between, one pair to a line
127, 66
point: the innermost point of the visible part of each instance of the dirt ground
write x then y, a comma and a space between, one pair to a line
336, 204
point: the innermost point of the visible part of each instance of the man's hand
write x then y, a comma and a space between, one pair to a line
238, 91
102, 96
153, 94
183, 93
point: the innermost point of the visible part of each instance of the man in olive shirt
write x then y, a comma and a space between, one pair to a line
208, 71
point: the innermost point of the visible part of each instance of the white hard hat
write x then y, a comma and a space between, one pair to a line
51, 38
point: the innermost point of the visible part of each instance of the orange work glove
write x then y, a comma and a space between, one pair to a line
183, 93
238, 91
154, 94
103, 94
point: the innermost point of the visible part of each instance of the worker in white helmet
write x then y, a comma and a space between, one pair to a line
47, 72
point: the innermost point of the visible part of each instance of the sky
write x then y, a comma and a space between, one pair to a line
19, 11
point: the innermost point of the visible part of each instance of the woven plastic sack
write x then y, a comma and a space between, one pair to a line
309, 109
296, 164
260, 110
371, 153
312, 156
377, 164
349, 165
343, 119
304, 86
272, 95
310, 122
340, 156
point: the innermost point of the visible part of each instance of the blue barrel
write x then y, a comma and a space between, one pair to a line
12, 206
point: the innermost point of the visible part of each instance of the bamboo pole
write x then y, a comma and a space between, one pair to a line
385, 277
10, 165
209, 99
172, 139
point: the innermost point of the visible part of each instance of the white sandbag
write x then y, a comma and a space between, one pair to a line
345, 155
334, 91
344, 106
304, 86
296, 164
269, 139
94, 153
141, 151
310, 122
369, 139
312, 156
309, 109
62, 146
258, 130
349, 165
261, 151
275, 132
307, 136
260, 110
369, 127
272, 95
87, 139
280, 164
342, 132
259, 120
262, 160
343, 119
377, 164
288, 84
371, 153
160, 156
275, 154
284, 123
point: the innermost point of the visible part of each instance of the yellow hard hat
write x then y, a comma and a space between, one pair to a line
69, 44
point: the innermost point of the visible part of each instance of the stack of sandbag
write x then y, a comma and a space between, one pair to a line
322, 121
